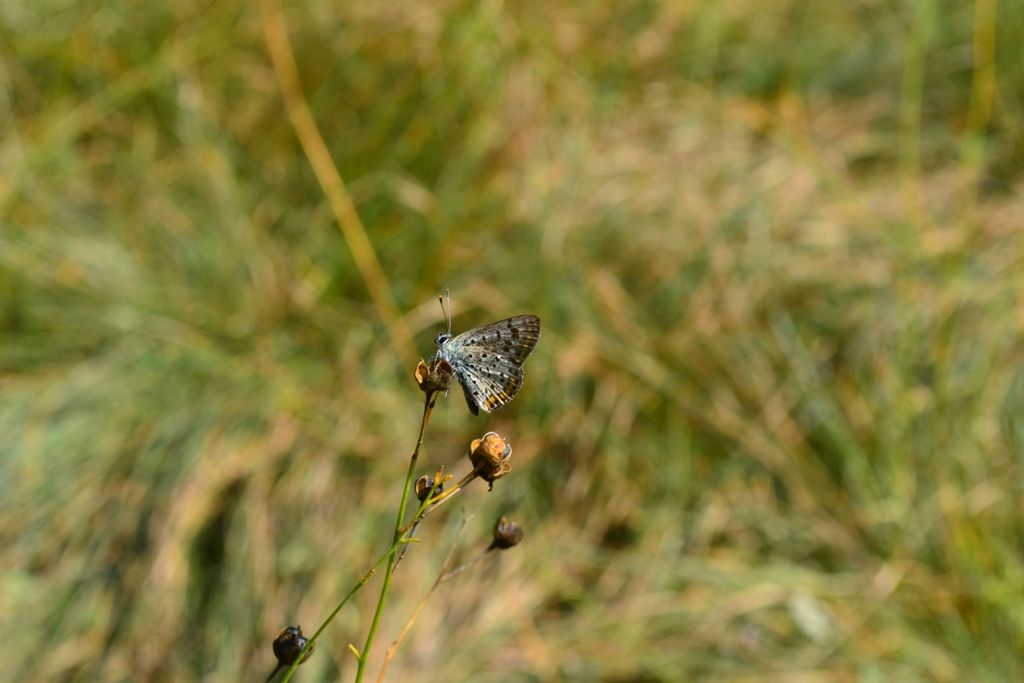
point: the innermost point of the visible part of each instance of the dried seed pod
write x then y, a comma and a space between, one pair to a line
424, 485
490, 457
435, 377
288, 644
507, 534
490, 451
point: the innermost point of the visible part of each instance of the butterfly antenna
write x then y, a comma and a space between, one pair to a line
447, 310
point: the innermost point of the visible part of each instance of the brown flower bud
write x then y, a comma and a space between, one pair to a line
437, 376
489, 456
507, 534
288, 644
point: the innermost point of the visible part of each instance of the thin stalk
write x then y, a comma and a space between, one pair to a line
466, 565
428, 407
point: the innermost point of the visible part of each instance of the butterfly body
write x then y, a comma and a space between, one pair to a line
488, 360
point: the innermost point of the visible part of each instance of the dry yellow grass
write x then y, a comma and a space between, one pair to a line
772, 431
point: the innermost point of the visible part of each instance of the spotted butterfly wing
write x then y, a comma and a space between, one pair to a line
489, 360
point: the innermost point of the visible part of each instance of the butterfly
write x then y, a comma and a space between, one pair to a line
488, 360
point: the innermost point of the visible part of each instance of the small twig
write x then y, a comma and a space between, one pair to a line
405, 548
466, 565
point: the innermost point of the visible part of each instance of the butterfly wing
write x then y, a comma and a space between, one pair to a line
489, 360
484, 391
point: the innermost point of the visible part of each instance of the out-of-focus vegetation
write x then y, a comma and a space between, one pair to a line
773, 431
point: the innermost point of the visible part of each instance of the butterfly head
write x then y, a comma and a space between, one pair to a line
442, 338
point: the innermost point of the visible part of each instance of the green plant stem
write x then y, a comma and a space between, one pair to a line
428, 406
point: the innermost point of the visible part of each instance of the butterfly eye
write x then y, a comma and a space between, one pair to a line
441, 338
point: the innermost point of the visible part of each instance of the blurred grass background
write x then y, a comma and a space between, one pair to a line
773, 430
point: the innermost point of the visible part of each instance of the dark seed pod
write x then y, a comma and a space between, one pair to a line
507, 534
288, 644
423, 487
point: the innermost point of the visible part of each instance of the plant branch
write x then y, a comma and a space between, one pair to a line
428, 407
